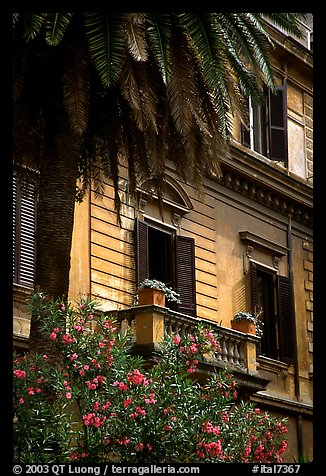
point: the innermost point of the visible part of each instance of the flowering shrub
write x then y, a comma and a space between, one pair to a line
99, 403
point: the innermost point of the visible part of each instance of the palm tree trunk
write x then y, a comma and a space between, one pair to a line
55, 218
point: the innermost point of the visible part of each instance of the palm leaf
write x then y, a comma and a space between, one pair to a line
33, 23
107, 44
159, 37
135, 35
55, 27
180, 87
138, 87
76, 88
289, 22
253, 43
207, 43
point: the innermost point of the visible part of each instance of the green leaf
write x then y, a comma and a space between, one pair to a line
33, 25
55, 27
107, 44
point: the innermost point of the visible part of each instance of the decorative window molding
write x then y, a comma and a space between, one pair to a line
174, 197
253, 241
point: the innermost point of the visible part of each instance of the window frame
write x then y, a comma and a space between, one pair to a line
283, 314
182, 263
270, 140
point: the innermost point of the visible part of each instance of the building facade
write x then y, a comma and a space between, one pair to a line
245, 244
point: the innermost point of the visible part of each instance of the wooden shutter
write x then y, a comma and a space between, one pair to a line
277, 124
286, 319
14, 221
141, 240
254, 293
24, 221
185, 274
245, 133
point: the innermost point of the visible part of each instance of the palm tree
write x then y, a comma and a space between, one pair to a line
93, 91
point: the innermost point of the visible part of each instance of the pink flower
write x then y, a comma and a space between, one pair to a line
21, 400
126, 402
193, 348
151, 400
137, 378
106, 405
20, 373
68, 395
177, 340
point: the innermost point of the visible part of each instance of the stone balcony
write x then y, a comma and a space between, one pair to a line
238, 350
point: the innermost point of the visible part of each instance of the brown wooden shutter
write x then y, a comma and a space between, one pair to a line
254, 294
245, 133
277, 124
185, 274
141, 240
286, 319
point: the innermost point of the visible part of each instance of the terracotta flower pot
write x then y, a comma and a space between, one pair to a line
151, 296
244, 326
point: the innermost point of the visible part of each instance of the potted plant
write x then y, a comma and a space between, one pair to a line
152, 291
248, 323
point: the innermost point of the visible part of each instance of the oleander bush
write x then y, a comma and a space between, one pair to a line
100, 403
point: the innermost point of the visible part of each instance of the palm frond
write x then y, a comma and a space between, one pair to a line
180, 88
15, 18
207, 43
33, 23
289, 22
138, 88
159, 37
135, 36
257, 45
107, 44
76, 88
55, 27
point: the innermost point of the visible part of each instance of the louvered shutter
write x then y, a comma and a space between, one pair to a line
14, 221
185, 274
254, 293
286, 320
245, 133
27, 236
24, 222
141, 238
277, 125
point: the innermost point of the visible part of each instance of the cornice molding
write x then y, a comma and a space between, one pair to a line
268, 184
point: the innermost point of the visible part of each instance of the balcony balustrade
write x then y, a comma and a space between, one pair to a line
238, 351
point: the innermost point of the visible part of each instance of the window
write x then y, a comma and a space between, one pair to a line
24, 220
267, 131
272, 294
162, 254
